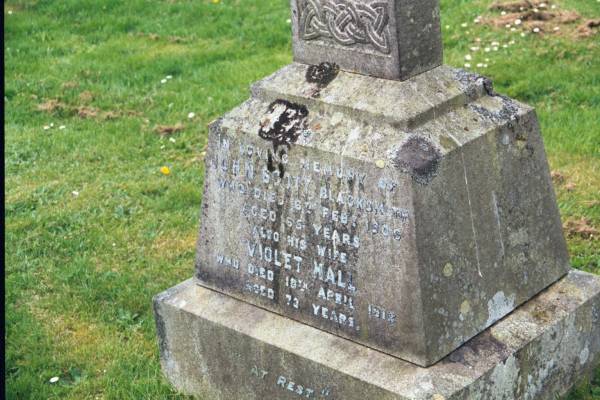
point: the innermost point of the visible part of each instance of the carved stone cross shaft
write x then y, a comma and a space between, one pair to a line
392, 39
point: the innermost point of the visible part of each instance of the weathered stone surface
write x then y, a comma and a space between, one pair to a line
393, 39
220, 348
406, 216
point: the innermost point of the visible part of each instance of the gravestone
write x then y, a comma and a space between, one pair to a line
377, 225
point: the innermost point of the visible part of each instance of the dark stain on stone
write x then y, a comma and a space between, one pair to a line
488, 86
202, 274
420, 158
457, 357
487, 343
322, 74
484, 112
161, 329
273, 164
509, 110
530, 150
270, 165
283, 123
467, 79
482, 346
219, 282
281, 164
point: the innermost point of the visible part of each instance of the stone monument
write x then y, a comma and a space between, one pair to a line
376, 225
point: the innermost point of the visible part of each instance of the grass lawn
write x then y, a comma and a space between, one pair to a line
94, 228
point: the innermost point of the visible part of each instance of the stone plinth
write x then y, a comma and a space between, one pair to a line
217, 347
405, 216
393, 39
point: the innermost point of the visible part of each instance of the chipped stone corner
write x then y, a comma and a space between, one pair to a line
474, 85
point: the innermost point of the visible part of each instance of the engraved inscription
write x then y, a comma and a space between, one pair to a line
288, 384
347, 22
378, 312
259, 372
301, 233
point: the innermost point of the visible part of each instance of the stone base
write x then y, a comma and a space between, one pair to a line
216, 347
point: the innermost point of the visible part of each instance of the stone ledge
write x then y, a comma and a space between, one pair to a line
404, 104
220, 348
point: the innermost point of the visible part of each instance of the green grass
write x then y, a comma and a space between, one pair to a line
81, 269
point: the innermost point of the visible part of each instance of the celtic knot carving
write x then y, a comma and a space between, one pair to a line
348, 22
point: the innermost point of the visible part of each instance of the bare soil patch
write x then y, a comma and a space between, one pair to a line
168, 130
580, 227
84, 110
541, 17
51, 106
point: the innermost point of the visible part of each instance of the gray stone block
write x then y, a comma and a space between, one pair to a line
405, 216
392, 39
216, 347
